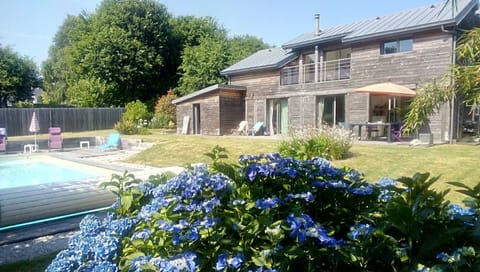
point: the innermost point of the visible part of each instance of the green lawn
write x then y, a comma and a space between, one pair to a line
451, 162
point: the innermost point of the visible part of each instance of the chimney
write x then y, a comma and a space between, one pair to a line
317, 24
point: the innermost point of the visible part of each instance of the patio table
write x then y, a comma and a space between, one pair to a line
361, 124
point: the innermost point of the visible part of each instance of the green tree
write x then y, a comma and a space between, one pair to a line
463, 82
56, 69
201, 65
241, 47
125, 45
18, 77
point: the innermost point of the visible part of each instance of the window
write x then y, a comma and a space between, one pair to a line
397, 46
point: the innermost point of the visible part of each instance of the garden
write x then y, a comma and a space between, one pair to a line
273, 212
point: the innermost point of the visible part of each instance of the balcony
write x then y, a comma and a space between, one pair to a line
327, 71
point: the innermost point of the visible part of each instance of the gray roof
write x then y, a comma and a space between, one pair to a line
264, 59
409, 21
207, 90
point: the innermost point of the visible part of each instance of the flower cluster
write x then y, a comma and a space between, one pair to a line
94, 247
276, 214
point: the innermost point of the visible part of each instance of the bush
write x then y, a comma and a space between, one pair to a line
331, 143
271, 213
134, 119
161, 120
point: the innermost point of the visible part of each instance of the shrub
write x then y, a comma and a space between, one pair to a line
165, 111
271, 213
331, 143
161, 120
134, 119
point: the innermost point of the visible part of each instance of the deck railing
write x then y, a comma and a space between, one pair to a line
327, 71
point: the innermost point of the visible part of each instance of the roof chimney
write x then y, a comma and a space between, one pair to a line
317, 24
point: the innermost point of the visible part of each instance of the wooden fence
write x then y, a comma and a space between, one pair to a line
17, 120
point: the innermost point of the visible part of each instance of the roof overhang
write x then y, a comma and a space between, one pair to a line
208, 90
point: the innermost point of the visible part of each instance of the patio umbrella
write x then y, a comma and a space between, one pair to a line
34, 126
387, 88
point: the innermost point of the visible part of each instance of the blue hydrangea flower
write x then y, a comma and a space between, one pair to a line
141, 234
387, 182
307, 197
221, 263
359, 231
267, 203
91, 225
237, 260
456, 211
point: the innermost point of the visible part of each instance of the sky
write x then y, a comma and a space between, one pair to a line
28, 26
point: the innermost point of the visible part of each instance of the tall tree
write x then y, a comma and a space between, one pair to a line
56, 70
201, 65
242, 46
463, 82
122, 49
18, 77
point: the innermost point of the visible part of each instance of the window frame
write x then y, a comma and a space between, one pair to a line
398, 46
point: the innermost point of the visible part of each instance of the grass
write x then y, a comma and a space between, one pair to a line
37, 264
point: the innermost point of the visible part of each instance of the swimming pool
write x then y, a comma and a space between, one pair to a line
34, 170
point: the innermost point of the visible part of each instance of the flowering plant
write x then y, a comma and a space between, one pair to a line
271, 213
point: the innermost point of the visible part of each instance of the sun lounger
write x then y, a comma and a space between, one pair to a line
113, 142
55, 138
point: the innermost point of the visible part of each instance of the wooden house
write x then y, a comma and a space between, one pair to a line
313, 79
215, 110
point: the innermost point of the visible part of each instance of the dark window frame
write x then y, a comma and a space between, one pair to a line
396, 46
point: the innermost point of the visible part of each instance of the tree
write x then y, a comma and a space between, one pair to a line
201, 65
18, 77
56, 69
241, 47
463, 82
124, 46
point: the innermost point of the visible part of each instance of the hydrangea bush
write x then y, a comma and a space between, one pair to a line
271, 213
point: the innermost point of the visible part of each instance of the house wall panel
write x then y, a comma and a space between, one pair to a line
232, 110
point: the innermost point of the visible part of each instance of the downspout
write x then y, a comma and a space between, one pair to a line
452, 102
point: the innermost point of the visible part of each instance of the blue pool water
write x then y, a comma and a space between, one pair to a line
17, 172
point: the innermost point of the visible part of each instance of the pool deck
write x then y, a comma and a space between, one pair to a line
45, 238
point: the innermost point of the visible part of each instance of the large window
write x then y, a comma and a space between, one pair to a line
337, 64
397, 46
330, 110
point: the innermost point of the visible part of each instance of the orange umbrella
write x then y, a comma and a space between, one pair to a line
386, 88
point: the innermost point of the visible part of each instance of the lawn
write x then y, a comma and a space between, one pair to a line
451, 162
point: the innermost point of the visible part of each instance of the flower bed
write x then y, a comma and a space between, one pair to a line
271, 213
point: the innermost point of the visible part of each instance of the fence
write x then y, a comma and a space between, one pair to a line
17, 121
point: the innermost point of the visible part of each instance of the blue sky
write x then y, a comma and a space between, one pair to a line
28, 26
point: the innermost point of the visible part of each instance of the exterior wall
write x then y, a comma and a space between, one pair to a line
220, 112
209, 114
259, 85
232, 111
431, 57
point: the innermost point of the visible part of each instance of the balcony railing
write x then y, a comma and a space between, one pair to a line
327, 71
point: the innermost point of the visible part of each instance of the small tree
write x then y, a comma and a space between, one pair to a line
165, 111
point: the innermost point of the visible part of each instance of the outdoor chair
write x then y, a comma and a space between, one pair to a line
55, 138
396, 132
258, 129
242, 129
3, 139
113, 142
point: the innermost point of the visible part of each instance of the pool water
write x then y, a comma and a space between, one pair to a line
34, 170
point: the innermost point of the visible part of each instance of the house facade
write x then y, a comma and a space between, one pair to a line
313, 79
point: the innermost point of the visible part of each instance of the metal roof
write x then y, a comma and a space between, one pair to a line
264, 59
409, 21
207, 90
